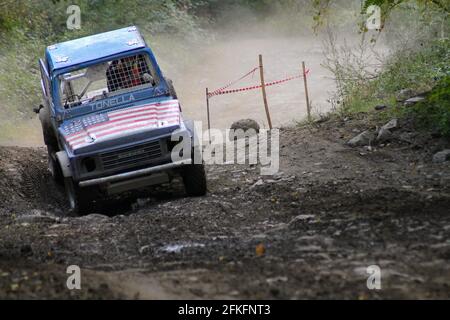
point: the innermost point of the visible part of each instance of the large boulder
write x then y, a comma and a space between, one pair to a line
385, 134
442, 156
243, 128
393, 124
412, 101
363, 139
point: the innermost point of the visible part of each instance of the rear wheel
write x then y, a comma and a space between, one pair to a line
79, 199
194, 179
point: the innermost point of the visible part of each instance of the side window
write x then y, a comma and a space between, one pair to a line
45, 81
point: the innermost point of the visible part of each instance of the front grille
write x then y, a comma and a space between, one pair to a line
132, 156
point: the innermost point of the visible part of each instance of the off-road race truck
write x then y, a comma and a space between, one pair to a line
108, 117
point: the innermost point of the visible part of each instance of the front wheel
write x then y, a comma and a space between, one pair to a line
194, 179
78, 199
54, 167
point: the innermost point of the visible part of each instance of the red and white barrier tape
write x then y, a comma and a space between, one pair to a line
222, 91
214, 93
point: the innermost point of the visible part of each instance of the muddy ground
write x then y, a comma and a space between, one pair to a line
308, 232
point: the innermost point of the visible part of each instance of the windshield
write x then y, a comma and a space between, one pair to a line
106, 80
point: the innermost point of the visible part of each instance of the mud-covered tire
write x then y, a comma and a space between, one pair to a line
52, 145
79, 200
47, 131
54, 167
194, 179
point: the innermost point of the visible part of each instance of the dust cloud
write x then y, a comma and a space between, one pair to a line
223, 61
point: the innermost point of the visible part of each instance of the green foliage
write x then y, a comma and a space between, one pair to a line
421, 71
46, 19
434, 112
417, 70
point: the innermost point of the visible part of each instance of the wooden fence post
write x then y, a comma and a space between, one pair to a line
207, 112
308, 106
263, 88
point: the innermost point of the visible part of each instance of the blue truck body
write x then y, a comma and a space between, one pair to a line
80, 53
110, 142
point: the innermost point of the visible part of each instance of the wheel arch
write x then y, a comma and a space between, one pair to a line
64, 162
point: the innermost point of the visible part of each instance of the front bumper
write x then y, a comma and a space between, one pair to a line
136, 153
135, 174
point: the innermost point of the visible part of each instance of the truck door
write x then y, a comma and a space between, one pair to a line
45, 83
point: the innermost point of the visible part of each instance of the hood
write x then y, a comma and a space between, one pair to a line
100, 127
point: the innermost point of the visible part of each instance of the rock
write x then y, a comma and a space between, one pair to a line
442, 156
393, 124
322, 119
140, 203
278, 175
26, 250
380, 107
384, 135
58, 226
308, 248
30, 218
260, 236
302, 217
144, 249
361, 139
250, 127
94, 217
177, 248
404, 94
276, 279
406, 137
260, 182
413, 101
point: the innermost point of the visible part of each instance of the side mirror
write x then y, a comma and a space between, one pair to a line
38, 109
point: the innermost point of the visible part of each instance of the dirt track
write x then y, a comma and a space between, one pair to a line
330, 213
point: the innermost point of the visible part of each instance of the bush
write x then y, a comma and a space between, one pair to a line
434, 113
417, 70
424, 70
